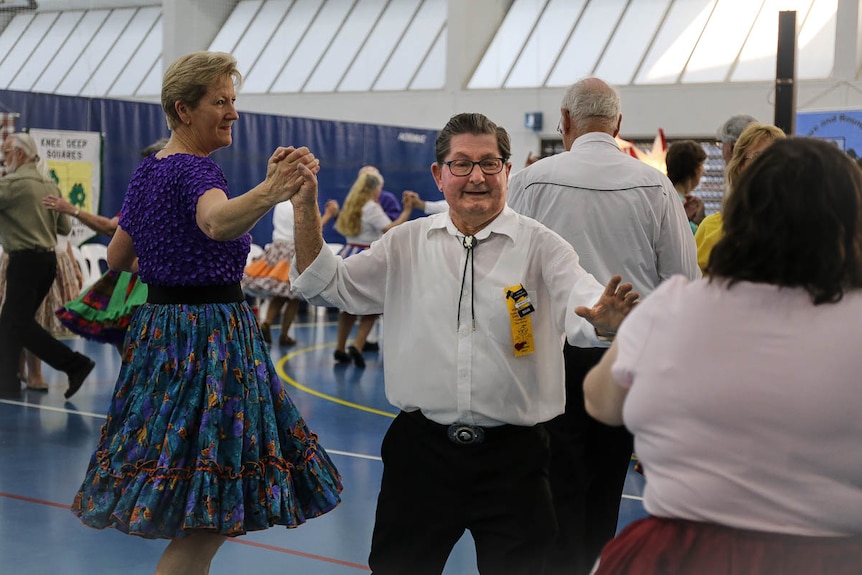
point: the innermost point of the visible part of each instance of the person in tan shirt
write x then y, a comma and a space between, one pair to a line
28, 233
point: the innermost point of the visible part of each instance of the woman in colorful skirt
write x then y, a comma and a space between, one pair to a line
201, 441
268, 276
102, 313
361, 222
742, 390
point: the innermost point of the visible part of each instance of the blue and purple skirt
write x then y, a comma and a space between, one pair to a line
201, 434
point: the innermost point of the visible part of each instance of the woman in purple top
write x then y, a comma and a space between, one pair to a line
201, 440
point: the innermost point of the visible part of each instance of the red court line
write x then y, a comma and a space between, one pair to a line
31, 500
231, 540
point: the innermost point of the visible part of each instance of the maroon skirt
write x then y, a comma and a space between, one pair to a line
656, 546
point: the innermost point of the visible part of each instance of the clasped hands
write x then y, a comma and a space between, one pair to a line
611, 308
292, 170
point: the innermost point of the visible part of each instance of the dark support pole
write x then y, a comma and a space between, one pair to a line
785, 73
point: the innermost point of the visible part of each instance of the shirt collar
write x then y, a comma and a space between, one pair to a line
595, 137
504, 224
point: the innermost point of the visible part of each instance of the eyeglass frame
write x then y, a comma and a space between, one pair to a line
473, 167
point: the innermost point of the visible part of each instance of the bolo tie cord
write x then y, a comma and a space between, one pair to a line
469, 242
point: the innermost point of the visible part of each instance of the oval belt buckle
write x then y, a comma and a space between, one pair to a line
465, 434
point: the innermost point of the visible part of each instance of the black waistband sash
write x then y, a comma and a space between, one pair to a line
194, 294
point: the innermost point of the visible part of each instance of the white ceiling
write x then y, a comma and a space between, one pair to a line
50, 5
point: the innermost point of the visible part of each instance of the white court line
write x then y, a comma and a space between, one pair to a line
100, 416
52, 408
351, 454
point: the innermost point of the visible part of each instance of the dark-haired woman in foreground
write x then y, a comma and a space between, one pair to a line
743, 390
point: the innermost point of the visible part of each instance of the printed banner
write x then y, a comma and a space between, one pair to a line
843, 128
74, 159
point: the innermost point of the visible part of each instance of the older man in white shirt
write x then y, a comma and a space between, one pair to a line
476, 302
623, 217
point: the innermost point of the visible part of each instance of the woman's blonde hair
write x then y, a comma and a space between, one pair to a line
752, 135
189, 77
349, 222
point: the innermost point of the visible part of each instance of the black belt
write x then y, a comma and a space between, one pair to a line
31, 251
194, 294
466, 434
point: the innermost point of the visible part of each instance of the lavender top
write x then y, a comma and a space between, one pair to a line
159, 214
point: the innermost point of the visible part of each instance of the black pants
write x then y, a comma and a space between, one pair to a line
28, 279
589, 463
433, 490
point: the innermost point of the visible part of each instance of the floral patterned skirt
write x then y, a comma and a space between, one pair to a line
201, 434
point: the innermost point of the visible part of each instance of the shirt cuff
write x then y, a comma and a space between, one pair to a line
311, 282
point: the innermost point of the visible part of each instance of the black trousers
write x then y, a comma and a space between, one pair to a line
28, 279
433, 490
589, 463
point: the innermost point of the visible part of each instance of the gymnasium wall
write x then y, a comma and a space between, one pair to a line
403, 155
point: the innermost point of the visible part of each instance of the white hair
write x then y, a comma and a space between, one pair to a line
25, 142
593, 100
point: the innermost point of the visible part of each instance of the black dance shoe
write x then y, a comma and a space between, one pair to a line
356, 356
79, 374
371, 346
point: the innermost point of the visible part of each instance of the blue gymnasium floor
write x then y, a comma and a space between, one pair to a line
46, 442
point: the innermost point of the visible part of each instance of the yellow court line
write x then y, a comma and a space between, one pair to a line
279, 367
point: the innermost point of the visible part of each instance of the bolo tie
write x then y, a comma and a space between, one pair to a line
469, 242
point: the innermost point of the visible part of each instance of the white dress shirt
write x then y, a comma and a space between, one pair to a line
374, 219
282, 222
621, 215
455, 371
436, 206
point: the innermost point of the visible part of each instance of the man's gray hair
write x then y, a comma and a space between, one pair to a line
590, 100
24, 142
733, 127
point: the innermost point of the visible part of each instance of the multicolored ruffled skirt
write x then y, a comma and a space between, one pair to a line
103, 312
269, 275
201, 433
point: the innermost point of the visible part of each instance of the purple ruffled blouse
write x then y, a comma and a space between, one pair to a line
159, 214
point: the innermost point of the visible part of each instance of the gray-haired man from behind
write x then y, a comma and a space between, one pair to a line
622, 217
729, 133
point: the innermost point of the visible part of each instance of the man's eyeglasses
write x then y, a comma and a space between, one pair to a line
560, 126
489, 166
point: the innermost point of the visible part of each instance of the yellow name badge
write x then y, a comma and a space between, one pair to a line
520, 308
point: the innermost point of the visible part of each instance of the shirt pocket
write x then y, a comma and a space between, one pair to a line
499, 326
